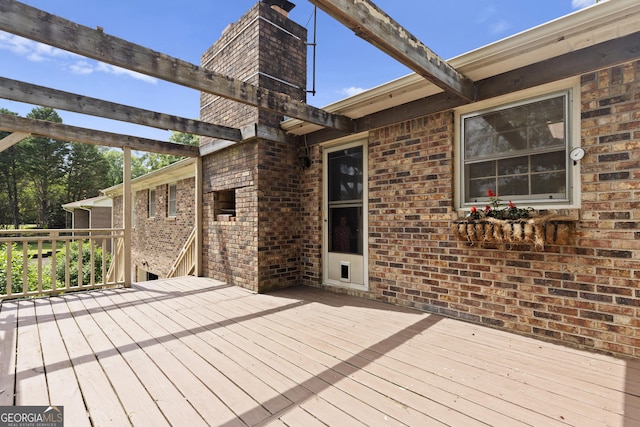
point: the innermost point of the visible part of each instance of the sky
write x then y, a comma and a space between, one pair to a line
346, 64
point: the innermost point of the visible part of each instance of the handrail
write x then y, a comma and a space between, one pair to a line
185, 263
77, 259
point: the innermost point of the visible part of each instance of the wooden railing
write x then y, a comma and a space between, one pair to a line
185, 263
49, 262
116, 269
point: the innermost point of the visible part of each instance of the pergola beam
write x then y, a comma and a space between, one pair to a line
12, 139
43, 96
588, 59
38, 25
375, 26
10, 123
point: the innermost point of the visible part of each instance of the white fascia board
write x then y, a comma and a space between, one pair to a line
177, 171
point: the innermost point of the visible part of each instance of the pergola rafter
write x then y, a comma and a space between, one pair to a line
20, 125
39, 95
38, 25
375, 26
12, 139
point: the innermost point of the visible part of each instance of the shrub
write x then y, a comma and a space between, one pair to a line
86, 264
17, 270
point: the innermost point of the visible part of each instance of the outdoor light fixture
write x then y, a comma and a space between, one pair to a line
305, 161
305, 157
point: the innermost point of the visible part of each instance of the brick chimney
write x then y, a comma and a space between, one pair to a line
264, 48
259, 180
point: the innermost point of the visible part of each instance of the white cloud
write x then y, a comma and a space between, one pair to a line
351, 91
39, 52
486, 14
29, 49
489, 16
117, 71
580, 4
499, 27
81, 67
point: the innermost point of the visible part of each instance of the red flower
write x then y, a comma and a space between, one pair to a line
487, 208
473, 209
511, 204
490, 193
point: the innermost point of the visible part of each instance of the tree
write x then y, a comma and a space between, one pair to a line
155, 161
87, 171
44, 162
146, 162
114, 159
12, 173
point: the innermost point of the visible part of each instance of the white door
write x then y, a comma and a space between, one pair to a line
345, 216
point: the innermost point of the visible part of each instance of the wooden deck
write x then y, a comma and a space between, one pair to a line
191, 352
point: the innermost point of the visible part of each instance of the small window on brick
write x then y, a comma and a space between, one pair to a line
225, 205
152, 203
172, 197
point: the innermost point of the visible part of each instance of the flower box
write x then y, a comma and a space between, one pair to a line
537, 231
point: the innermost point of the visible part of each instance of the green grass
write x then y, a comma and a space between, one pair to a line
46, 247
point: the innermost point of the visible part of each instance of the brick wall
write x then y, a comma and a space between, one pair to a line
157, 241
585, 294
232, 55
230, 248
311, 218
260, 250
279, 216
257, 51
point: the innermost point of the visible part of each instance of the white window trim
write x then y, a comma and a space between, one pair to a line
155, 204
174, 214
571, 84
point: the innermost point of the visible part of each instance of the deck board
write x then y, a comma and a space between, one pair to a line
59, 367
169, 400
31, 383
101, 401
8, 342
193, 351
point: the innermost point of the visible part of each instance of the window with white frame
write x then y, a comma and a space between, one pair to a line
172, 195
152, 203
518, 151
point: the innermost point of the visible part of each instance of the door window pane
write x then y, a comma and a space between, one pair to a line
345, 230
345, 175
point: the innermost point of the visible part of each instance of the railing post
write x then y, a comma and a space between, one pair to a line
198, 218
126, 215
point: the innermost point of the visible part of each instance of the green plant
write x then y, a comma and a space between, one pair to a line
17, 271
74, 255
495, 209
